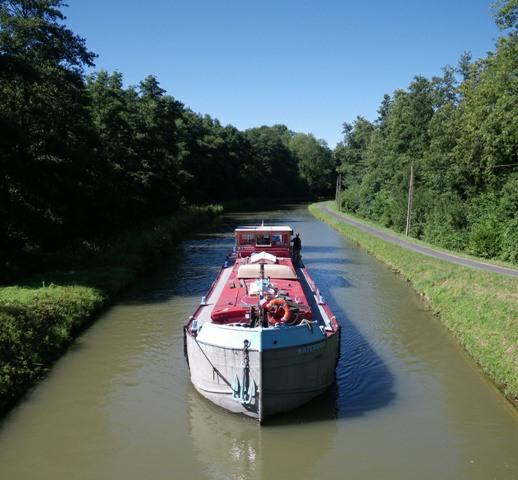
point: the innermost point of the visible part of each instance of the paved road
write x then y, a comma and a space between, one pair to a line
466, 262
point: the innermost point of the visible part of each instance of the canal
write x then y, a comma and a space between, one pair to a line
408, 403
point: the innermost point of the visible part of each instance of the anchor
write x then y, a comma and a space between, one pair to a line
244, 391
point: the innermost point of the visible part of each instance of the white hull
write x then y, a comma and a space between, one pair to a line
276, 379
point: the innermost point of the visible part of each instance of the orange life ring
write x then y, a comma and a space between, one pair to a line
280, 303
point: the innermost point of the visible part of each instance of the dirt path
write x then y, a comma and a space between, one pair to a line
419, 248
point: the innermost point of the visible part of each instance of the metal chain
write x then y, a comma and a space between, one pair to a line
245, 381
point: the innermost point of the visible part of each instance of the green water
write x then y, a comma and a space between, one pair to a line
408, 403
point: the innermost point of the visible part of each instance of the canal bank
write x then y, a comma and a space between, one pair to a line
407, 402
41, 316
480, 308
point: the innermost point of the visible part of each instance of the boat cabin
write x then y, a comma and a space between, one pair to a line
270, 239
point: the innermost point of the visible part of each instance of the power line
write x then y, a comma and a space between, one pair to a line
410, 199
338, 191
506, 165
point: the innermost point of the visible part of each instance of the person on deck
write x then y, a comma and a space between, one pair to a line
297, 247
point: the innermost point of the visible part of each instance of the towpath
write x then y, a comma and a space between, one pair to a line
467, 262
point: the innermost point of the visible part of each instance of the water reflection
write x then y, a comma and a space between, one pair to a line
232, 447
226, 445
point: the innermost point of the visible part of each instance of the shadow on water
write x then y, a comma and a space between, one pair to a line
322, 249
331, 261
332, 279
188, 272
363, 382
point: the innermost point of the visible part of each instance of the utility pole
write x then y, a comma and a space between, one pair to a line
338, 190
410, 199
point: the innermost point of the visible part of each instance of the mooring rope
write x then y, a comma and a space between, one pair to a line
220, 375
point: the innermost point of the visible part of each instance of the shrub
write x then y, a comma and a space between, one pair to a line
350, 199
509, 241
485, 236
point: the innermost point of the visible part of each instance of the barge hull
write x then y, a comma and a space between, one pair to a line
293, 376
276, 380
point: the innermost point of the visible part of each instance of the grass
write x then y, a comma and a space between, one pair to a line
479, 308
41, 315
36, 324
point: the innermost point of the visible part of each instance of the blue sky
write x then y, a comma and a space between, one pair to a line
308, 64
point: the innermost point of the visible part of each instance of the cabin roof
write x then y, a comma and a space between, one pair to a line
272, 271
264, 228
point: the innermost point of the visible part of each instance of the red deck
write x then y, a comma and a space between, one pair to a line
245, 285
235, 299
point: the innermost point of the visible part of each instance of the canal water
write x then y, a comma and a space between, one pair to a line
408, 403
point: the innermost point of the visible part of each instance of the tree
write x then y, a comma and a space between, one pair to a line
138, 142
272, 171
315, 163
350, 154
45, 166
488, 133
460, 130
506, 14
214, 157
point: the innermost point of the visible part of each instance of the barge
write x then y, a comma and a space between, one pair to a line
263, 340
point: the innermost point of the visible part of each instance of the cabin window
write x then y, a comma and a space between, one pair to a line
277, 239
263, 240
247, 239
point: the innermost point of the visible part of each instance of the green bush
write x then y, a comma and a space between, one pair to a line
509, 241
445, 224
484, 226
485, 236
38, 322
350, 199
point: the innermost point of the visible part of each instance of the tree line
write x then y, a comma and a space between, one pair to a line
83, 155
459, 131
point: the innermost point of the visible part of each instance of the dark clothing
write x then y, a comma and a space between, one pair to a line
297, 247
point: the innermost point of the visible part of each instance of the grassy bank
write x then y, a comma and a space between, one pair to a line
41, 315
479, 308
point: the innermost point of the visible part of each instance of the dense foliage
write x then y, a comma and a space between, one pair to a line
85, 156
460, 131
39, 319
